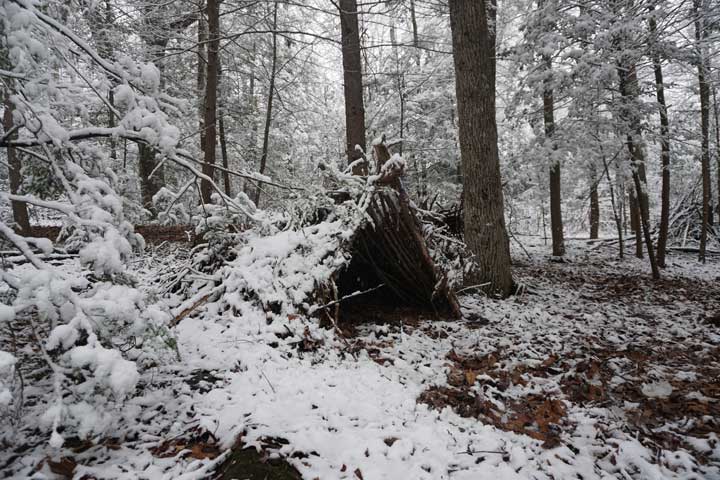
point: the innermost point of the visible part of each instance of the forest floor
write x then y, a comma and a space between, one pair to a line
593, 371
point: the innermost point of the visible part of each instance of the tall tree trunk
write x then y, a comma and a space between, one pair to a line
635, 222
594, 203
701, 36
617, 212
399, 83
630, 91
717, 149
223, 150
416, 38
202, 37
150, 171
484, 219
19, 209
664, 151
353, 84
556, 223
268, 111
252, 108
211, 85
223, 140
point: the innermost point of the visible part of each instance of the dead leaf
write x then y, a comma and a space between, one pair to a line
202, 451
65, 466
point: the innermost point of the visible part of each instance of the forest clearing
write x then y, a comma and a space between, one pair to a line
333, 239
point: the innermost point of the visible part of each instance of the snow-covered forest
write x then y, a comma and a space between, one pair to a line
348, 239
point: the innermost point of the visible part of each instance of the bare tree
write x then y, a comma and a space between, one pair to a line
485, 232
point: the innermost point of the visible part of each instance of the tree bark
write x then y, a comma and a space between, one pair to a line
399, 83
152, 175
664, 152
223, 150
155, 34
717, 149
635, 222
416, 37
223, 140
19, 209
617, 212
268, 110
630, 91
353, 84
210, 103
703, 70
594, 203
484, 219
556, 223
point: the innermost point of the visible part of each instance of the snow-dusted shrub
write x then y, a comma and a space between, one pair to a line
87, 321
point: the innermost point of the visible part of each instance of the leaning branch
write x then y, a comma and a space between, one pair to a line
119, 132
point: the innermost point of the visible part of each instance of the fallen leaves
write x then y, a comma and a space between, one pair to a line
196, 443
65, 466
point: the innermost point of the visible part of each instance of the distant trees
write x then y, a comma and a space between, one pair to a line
564, 124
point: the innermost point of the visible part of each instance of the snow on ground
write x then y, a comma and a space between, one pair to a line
590, 373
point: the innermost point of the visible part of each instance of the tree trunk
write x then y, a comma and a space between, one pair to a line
210, 104
416, 39
635, 222
664, 154
701, 37
353, 84
485, 232
151, 177
223, 150
252, 107
556, 223
151, 173
399, 83
223, 141
19, 209
617, 212
717, 149
268, 111
594, 203
155, 38
630, 91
